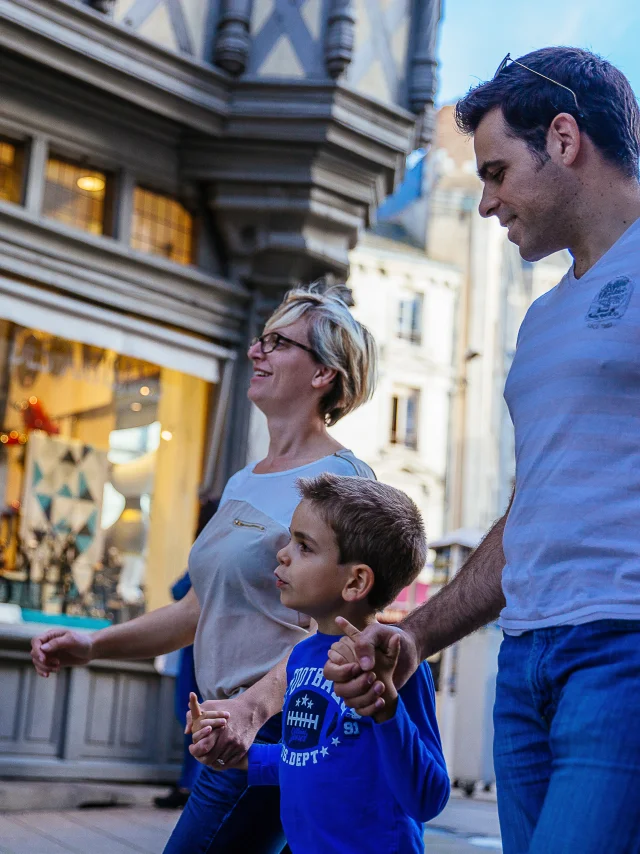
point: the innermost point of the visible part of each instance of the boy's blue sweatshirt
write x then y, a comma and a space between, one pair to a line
350, 785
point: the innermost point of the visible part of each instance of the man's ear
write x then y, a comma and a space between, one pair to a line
359, 583
564, 139
324, 377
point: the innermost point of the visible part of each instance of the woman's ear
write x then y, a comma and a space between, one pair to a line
359, 583
323, 377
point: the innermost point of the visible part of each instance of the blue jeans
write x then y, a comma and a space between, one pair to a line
224, 816
185, 684
567, 740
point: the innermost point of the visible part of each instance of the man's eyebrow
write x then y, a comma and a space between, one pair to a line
300, 535
487, 166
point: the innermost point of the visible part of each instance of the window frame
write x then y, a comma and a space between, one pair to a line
148, 187
401, 401
413, 331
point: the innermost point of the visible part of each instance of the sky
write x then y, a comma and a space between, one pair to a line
476, 34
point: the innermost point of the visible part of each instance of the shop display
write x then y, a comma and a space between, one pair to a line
83, 435
61, 508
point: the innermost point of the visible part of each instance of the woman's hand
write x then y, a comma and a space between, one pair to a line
233, 731
60, 648
202, 722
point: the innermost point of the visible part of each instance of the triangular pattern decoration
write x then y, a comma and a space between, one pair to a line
83, 541
37, 474
63, 491
45, 503
84, 492
63, 528
92, 523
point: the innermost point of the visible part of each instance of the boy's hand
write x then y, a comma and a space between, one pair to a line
202, 723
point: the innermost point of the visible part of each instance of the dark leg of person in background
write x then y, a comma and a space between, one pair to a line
185, 683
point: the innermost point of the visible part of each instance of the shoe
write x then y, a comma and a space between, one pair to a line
175, 800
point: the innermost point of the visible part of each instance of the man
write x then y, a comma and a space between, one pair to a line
557, 141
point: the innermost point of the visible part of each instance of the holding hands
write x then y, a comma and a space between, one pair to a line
368, 667
214, 742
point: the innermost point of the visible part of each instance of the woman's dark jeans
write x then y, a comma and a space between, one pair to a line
224, 816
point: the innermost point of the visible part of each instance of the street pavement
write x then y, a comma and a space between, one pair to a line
467, 826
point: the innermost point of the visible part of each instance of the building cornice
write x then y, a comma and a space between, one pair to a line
78, 41
104, 271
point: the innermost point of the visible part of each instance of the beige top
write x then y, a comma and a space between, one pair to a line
243, 629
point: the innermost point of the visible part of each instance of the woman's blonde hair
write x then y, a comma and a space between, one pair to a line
339, 342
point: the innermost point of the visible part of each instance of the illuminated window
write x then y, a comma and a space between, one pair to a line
77, 196
162, 226
96, 453
11, 171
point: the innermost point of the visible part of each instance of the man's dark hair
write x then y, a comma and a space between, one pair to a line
608, 110
374, 524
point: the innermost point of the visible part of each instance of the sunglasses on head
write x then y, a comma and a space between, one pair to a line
508, 59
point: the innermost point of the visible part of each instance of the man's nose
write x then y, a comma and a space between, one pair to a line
488, 203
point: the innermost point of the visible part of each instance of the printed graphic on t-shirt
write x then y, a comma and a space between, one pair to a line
611, 302
316, 721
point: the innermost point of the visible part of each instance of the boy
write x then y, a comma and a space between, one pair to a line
349, 784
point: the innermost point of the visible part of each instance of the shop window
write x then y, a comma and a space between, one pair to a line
405, 406
11, 171
161, 226
98, 454
78, 196
410, 318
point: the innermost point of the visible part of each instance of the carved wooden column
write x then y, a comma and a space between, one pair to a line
233, 40
340, 34
422, 72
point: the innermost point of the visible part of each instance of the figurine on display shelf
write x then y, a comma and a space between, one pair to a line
128, 535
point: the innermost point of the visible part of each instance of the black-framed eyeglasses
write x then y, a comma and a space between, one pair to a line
270, 341
508, 59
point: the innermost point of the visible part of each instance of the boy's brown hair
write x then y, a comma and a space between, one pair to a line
374, 524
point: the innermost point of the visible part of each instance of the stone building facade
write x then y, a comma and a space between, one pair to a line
167, 169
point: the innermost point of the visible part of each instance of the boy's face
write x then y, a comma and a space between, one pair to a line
310, 577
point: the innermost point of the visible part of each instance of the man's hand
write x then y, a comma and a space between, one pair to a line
386, 661
233, 731
353, 658
60, 648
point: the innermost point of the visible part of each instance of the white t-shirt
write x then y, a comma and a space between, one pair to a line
572, 538
244, 630
275, 493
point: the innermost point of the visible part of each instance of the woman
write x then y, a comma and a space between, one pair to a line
313, 364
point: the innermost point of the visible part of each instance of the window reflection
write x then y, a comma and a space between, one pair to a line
11, 171
161, 226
